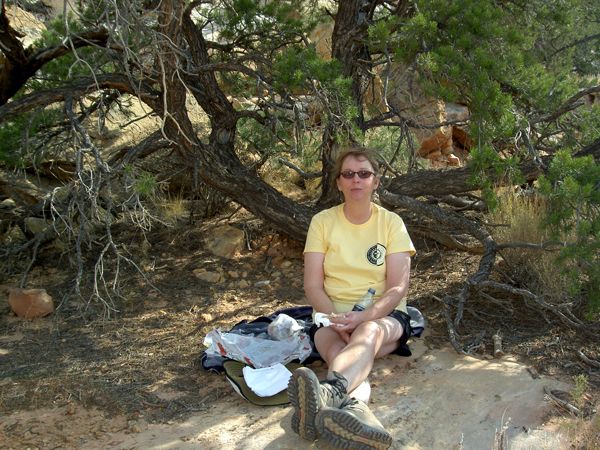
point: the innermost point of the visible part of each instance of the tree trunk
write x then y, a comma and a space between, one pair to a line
439, 183
346, 46
216, 163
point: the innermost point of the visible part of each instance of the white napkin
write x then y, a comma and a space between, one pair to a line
267, 381
322, 319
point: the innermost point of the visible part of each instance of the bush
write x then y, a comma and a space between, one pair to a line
521, 217
572, 190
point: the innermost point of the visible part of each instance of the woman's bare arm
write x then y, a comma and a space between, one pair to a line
314, 277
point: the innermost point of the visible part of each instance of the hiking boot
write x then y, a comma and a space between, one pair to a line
308, 396
353, 426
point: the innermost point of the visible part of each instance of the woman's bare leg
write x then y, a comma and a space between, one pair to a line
355, 360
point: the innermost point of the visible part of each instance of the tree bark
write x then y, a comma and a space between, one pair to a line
349, 33
21, 64
216, 162
439, 183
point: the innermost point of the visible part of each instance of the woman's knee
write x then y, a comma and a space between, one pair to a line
370, 331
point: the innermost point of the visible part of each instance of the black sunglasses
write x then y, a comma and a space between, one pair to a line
361, 174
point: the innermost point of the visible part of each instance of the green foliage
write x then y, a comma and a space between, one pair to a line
253, 141
492, 56
581, 385
385, 141
298, 66
69, 66
143, 183
30, 135
10, 137
465, 51
572, 188
22, 139
484, 158
260, 26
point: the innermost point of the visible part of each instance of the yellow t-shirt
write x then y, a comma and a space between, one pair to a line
355, 254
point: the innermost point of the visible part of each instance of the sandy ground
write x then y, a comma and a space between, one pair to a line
435, 399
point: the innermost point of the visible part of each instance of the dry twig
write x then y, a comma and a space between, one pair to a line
588, 361
562, 403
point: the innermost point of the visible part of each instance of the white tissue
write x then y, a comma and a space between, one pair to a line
322, 319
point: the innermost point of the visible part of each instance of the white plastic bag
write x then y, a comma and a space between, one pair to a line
256, 351
283, 327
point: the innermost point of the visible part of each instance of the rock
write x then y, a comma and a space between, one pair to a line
37, 226
274, 250
435, 144
226, 241
455, 111
26, 23
211, 277
452, 159
462, 138
321, 37
434, 154
206, 317
28, 192
31, 303
277, 260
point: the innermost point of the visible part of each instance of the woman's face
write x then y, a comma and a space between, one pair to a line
356, 188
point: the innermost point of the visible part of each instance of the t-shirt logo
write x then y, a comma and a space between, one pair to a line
376, 255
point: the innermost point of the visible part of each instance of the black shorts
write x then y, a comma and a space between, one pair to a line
401, 317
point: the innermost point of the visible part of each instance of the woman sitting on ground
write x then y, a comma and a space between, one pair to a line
350, 248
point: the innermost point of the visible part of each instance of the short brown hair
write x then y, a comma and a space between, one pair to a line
360, 153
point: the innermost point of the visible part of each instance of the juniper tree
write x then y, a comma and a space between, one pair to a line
522, 68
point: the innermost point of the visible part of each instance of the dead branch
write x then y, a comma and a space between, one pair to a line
570, 105
463, 204
452, 333
588, 361
476, 344
78, 89
561, 311
497, 338
442, 238
300, 171
459, 223
561, 403
548, 246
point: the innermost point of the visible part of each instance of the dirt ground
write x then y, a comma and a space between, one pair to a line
78, 379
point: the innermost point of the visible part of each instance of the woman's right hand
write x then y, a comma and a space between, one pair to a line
343, 334
346, 325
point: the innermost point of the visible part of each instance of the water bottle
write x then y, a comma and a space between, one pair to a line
365, 301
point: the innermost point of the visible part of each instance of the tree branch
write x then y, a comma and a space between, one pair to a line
22, 64
78, 89
570, 105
